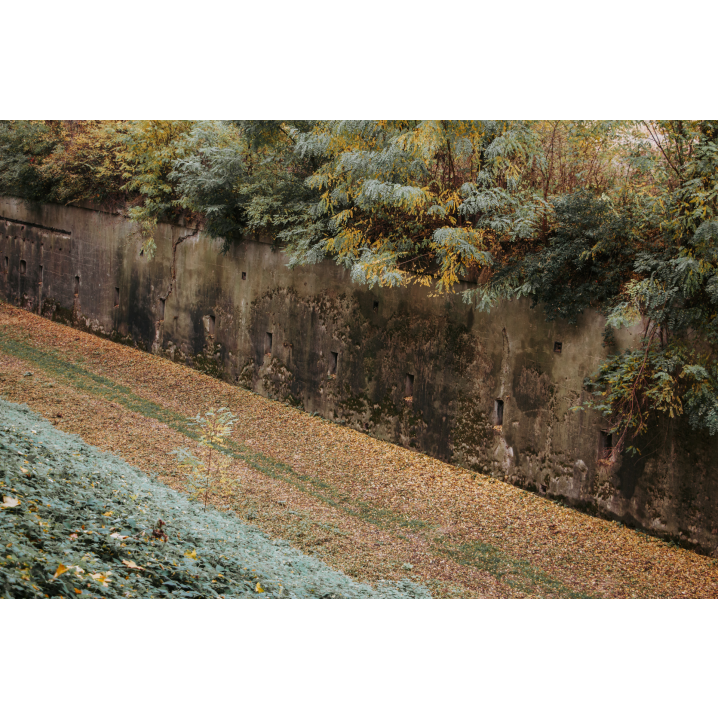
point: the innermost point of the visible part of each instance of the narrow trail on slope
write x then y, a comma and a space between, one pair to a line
368, 508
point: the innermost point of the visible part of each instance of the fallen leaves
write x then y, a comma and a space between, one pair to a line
9, 502
60, 570
132, 564
102, 578
383, 506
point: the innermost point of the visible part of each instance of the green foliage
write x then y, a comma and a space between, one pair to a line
147, 156
245, 176
584, 263
62, 161
631, 388
407, 201
23, 146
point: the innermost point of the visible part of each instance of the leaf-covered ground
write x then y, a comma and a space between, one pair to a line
370, 509
80, 523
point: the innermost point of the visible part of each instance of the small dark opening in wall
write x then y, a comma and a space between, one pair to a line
212, 324
244, 275
162, 309
499, 411
77, 286
409, 385
23, 266
39, 281
117, 296
60, 249
557, 346
376, 307
268, 343
333, 362
605, 445
142, 253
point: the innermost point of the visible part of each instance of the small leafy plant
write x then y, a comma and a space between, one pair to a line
209, 473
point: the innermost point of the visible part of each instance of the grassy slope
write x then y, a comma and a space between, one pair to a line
367, 508
70, 506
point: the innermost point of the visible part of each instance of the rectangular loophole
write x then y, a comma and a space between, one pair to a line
376, 307
499, 412
23, 266
117, 296
39, 281
557, 346
212, 324
605, 445
409, 385
244, 275
334, 362
268, 343
162, 311
77, 286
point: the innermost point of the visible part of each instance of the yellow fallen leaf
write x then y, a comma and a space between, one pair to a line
77, 590
107, 513
132, 564
60, 570
24, 470
191, 554
8, 502
118, 536
258, 588
102, 578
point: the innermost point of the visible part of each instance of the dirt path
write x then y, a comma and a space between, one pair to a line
366, 507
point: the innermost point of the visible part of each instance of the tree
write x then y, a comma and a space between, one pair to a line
209, 473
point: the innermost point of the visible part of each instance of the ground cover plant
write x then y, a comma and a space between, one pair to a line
79, 523
369, 509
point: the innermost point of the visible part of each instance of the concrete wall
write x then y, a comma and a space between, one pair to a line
423, 372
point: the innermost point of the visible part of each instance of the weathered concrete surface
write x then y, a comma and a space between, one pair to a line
422, 372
